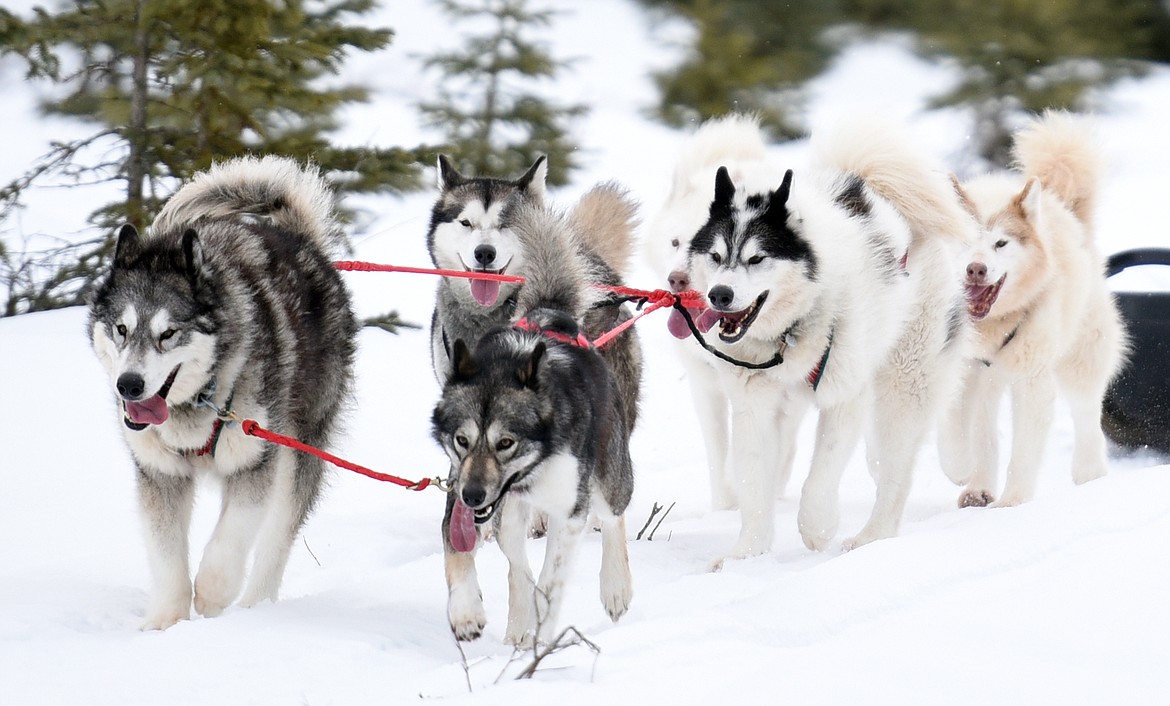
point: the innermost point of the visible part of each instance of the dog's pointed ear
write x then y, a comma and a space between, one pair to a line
780, 196
533, 180
192, 256
724, 190
964, 198
464, 365
527, 372
128, 246
449, 176
1028, 201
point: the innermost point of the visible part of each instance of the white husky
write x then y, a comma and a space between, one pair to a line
735, 142
1036, 287
839, 286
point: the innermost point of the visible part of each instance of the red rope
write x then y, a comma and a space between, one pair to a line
656, 299
358, 266
251, 428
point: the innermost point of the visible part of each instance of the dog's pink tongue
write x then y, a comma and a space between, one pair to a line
149, 411
485, 291
706, 320
677, 325
462, 529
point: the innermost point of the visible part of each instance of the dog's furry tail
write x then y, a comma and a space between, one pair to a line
605, 218
556, 274
293, 198
1059, 149
886, 157
723, 141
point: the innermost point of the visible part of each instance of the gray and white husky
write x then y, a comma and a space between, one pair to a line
533, 417
229, 300
840, 280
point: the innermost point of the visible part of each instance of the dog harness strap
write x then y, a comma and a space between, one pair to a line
815, 375
216, 428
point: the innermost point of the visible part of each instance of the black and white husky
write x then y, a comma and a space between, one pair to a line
229, 300
533, 417
842, 282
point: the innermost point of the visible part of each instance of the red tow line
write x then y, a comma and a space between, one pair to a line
651, 299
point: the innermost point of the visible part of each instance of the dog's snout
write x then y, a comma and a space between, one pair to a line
474, 495
977, 271
679, 281
131, 386
485, 254
721, 297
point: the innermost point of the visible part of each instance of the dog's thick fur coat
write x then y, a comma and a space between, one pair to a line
231, 300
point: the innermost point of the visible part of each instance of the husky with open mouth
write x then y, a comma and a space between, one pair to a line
533, 417
229, 300
736, 142
835, 284
1044, 316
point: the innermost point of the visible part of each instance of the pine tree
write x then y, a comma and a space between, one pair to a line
493, 125
748, 56
176, 84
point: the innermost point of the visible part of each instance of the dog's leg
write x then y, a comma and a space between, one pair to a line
954, 432
787, 427
512, 538
221, 572
166, 503
617, 585
550, 589
1033, 400
754, 459
296, 483
711, 410
838, 430
464, 599
1089, 457
984, 396
891, 448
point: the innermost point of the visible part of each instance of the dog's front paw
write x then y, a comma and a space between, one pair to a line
818, 524
976, 498
616, 595
465, 613
161, 618
520, 639
214, 592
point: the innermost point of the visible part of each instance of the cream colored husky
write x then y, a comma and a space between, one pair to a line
1044, 317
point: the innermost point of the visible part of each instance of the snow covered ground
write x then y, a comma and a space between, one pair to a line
1065, 600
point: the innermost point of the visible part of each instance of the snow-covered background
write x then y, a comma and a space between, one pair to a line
1065, 600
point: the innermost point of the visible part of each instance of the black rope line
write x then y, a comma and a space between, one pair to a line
771, 363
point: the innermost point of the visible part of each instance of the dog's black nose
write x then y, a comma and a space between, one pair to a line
977, 271
678, 280
721, 297
485, 254
131, 386
474, 495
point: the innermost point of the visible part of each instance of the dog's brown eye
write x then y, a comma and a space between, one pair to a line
461, 441
465, 223
1000, 244
121, 329
504, 444
166, 334
755, 259
716, 258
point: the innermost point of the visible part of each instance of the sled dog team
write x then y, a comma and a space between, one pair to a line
893, 299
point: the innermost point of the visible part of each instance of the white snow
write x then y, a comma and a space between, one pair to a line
1065, 600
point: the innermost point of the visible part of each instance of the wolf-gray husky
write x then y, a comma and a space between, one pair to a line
840, 282
532, 416
230, 300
